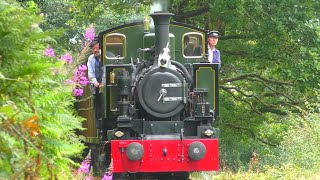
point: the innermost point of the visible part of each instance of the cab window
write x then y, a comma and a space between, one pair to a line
115, 46
192, 44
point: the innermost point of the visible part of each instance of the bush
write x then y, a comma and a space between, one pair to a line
37, 119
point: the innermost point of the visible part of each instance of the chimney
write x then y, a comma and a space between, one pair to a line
161, 24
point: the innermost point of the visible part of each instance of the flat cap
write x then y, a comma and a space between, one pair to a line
213, 34
95, 41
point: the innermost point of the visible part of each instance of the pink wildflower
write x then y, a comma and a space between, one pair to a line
84, 168
76, 75
67, 57
83, 81
82, 67
49, 52
89, 34
107, 176
79, 75
77, 92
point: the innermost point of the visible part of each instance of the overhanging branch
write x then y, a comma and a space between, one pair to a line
252, 134
182, 16
247, 95
250, 99
246, 76
271, 89
240, 99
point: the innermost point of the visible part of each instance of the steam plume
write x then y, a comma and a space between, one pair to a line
159, 5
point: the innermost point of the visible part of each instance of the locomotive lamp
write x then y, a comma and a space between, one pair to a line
119, 134
208, 132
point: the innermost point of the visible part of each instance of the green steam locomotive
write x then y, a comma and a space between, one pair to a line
159, 103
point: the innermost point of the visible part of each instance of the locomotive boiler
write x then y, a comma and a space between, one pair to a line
159, 102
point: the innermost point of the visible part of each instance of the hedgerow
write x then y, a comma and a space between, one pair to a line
37, 118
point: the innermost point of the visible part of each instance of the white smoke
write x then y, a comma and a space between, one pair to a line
155, 7
159, 5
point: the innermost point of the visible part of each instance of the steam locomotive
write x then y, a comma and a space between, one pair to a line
160, 101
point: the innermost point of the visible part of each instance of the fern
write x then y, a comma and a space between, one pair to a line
37, 119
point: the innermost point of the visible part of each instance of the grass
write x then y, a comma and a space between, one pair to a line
286, 173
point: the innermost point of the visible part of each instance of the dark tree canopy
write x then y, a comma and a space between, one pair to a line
269, 49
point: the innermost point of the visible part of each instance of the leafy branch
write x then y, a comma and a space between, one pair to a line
229, 90
9, 124
273, 90
252, 99
251, 133
246, 76
181, 14
181, 17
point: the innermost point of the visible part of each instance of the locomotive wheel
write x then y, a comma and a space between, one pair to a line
152, 176
174, 176
182, 176
120, 176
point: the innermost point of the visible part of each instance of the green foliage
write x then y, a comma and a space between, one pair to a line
297, 156
301, 146
269, 70
74, 17
285, 172
261, 39
37, 119
56, 14
269, 75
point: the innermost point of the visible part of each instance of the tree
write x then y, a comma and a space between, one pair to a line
270, 69
265, 65
73, 17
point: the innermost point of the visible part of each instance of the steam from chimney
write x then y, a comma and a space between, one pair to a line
159, 5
